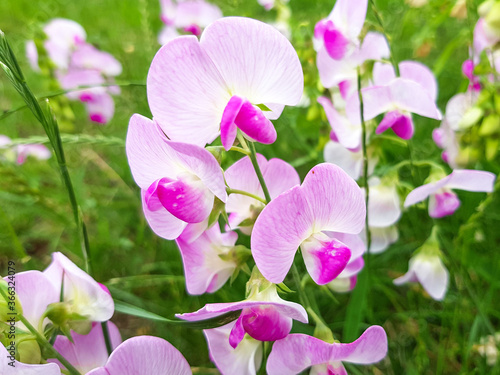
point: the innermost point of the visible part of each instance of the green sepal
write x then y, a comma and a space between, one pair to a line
264, 107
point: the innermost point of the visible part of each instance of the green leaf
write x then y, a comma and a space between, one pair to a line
218, 321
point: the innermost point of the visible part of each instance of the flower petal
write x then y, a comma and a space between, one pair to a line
350, 162
186, 92
255, 60
297, 352
349, 16
421, 74
228, 128
21, 368
145, 355
471, 180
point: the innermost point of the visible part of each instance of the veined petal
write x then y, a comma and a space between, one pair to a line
228, 128
350, 162
325, 258
144, 355
186, 93
297, 352
253, 123
245, 359
349, 16
256, 61
87, 352
335, 199
87, 297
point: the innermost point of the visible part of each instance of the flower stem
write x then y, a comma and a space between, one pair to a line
42, 341
107, 340
241, 192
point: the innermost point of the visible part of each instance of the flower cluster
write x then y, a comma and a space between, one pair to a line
76, 63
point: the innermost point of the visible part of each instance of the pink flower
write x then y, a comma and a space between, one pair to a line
278, 175
327, 200
443, 201
264, 316
245, 359
339, 32
144, 355
351, 162
81, 291
87, 352
200, 89
204, 267
297, 352
413, 92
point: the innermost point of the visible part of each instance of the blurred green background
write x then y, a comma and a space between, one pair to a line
425, 337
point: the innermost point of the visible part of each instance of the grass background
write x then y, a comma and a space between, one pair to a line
425, 337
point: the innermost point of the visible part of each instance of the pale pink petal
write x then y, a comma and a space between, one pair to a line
256, 61
278, 231
471, 180
382, 238
412, 97
297, 352
84, 293
167, 34
145, 355
374, 47
162, 222
335, 199
245, 359
186, 92
101, 108
376, 100
384, 205
87, 352
433, 276
383, 74
35, 292
40, 152
86, 56
32, 55
421, 74
348, 135
196, 12
332, 72
353, 268
349, 16
279, 176
204, 270
10, 366
350, 162
290, 309
458, 106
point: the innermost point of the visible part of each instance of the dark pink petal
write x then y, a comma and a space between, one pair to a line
252, 122
400, 123
265, 323
186, 92
297, 352
237, 333
335, 42
228, 128
349, 16
144, 355
443, 204
188, 201
256, 61
325, 259
244, 360
162, 222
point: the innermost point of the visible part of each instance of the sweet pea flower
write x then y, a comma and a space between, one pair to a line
21, 152
200, 89
84, 295
351, 162
468, 71
343, 132
344, 72
447, 139
205, 269
327, 200
144, 355
414, 91
87, 352
443, 201
382, 238
245, 359
297, 352
264, 315
35, 292
178, 181
86, 56
461, 112
346, 280
338, 33
279, 177
10, 366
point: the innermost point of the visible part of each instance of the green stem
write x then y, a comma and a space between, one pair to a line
42, 341
241, 192
365, 165
107, 340
304, 299
11, 67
